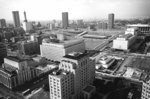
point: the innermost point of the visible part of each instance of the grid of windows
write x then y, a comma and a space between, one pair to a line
146, 91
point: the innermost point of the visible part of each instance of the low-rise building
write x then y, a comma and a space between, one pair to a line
89, 91
55, 51
16, 72
29, 47
144, 29
8, 77
133, 31
124, 42
106, 62
46, 69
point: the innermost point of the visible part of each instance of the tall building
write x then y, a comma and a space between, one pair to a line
25, 17
16, 18
76, 71
3, 52
55, 51
27, 26
111, 21
146, 90
2, 23
65, 22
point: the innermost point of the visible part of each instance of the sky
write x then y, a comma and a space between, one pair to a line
77, 9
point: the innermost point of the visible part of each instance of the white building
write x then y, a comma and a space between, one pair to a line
60, 85
81, 73
144, 29
123, 42
27, 26
133, 31
106, 62
146, 90
51, 26
15, 63
55, 51
45, 69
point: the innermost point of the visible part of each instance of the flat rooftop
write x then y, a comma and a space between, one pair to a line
138, 25
10, 71
66, 43
142, 63
126, 36
88, 89
59, 73
13, 58
76, 55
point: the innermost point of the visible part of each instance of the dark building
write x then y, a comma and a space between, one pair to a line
8, 77
2, 23
29, 48
25, 17
16, 18
3, 52
102, 25
65, 23
111, 21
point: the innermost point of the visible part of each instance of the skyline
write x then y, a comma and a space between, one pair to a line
77, 9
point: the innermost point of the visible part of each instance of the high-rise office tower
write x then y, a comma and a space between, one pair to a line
16, 18
111, 21
76, 71
25, 17
27, 26
2, 23
65, 23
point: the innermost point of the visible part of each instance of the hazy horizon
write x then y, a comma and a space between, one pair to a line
42, 10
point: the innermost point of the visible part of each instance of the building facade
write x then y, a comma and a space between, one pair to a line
16, 18
2, 23
111, 21
65, 22
60, 85
8, 78
3, 52
81, 73
144, 29
145, 90
124, 42
29, 47
102, 25
55, 51
15, 72
27, 26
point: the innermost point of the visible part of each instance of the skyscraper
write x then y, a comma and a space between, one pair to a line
16, 18
27, 26
76, 71
2, 23
65, 23
25, 17
110, 21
